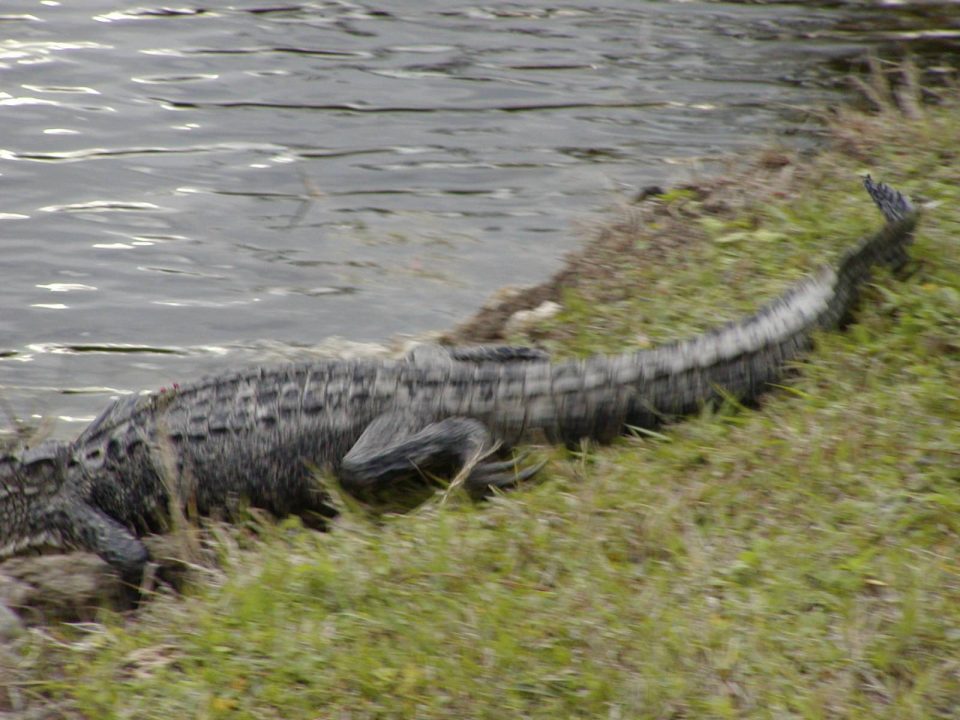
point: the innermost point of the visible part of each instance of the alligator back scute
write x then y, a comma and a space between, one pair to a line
119, 412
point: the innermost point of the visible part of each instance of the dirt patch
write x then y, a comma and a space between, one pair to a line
72, 587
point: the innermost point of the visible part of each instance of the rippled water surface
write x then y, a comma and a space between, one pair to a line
186, 185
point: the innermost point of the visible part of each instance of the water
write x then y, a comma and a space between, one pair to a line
186, 189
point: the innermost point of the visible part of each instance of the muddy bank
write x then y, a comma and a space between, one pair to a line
635, 233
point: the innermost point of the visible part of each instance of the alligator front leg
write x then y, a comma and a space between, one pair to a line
398, 450
85, 527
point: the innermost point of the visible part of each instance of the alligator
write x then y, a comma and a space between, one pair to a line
259, 436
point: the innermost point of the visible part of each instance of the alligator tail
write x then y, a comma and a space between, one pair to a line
740, 359
893, 204
889, 245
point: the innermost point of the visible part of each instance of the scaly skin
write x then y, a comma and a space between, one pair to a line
258, 435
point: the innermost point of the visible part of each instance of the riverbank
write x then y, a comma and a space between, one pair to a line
798, 559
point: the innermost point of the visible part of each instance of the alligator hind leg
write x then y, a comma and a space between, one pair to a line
477, 354
498, 353
397, 451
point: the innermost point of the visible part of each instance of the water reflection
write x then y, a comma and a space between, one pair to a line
65, 287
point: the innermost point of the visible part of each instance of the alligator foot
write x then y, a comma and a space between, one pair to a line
487, 477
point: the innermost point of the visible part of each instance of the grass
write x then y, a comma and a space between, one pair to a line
796, 560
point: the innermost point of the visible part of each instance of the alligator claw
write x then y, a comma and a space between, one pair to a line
502, 465
497, 476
